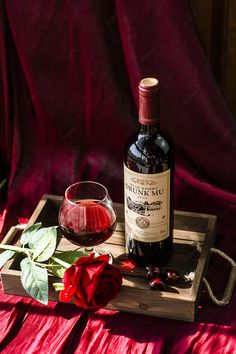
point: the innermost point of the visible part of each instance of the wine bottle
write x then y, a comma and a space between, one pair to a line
148, 184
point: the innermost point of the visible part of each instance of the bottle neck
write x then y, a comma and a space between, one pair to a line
149, 109
149, 129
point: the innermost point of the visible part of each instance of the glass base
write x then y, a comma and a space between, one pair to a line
98, 251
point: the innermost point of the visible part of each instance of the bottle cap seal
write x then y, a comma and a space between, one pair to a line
148, 101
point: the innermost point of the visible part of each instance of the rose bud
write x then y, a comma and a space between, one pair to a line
156, 284
153, 271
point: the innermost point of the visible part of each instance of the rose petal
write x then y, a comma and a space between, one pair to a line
85, 259
80, 295
81, 301
109, 286
66, 294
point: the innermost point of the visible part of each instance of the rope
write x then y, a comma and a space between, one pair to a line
230, 284
222, 254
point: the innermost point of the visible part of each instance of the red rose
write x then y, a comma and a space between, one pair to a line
92, 281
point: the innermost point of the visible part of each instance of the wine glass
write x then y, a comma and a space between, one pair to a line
86, 216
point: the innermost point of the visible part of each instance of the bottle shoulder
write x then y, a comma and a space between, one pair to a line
155, 144
149, 153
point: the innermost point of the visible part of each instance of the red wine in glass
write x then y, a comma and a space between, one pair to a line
86, 216
88, 223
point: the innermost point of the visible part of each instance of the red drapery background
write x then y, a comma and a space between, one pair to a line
69, 72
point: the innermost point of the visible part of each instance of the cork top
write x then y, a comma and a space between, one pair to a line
148, 86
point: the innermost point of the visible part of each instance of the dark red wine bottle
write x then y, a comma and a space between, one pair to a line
148, 184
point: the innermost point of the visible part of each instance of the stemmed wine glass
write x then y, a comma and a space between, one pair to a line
86, 216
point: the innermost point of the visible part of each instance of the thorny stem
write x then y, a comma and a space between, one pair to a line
16, 249
58, 286
62, 263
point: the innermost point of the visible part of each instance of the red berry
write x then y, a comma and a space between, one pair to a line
156, 284
153, 271
171, 276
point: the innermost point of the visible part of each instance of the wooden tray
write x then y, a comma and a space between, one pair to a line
194, 235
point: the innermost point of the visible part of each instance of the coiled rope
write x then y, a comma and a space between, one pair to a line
230, 284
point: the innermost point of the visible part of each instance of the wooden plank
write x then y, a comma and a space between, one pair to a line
8, 239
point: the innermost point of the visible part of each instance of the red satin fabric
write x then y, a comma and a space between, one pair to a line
69, 72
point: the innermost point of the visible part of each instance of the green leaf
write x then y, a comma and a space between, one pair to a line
46, 244
57, 270
28, 232
34, 280
36, 236
5, 256
69, 257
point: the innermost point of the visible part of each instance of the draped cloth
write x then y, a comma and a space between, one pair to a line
69, 72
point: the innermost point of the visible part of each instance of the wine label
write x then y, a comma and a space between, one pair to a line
147, 204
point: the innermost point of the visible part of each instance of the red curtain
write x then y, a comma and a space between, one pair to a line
69, 72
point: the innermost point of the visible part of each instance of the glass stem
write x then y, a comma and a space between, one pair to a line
88, 249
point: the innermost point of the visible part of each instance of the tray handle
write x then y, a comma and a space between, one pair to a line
230, 284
